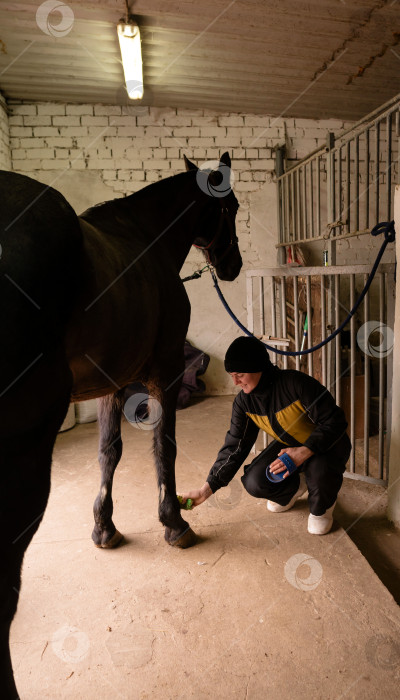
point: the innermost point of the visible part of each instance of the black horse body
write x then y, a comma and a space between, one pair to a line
90, 304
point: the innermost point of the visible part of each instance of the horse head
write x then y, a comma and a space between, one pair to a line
215, 231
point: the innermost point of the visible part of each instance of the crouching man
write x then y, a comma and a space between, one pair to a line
310, 447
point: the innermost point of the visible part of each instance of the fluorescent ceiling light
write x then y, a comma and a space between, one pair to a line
131, 53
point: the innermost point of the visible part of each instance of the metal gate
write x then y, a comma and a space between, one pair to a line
302, 306
338, 191
344, 188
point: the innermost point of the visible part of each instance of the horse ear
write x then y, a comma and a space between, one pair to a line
225, 159
189, 165
218, 176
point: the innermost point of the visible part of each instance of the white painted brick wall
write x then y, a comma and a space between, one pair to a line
132, 146
5, 156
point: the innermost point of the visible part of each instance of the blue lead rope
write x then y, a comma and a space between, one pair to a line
385, 227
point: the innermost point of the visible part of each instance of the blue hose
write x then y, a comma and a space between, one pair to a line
385, 227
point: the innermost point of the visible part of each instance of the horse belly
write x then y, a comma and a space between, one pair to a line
108, 355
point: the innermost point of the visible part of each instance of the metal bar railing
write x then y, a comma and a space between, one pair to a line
357, 183
261, 302
293, 204
283, 316
389, 164
367, 393
348, 200
273, 316
311, 201
298, 201
352, 373
304, 201
309, 325
340, 207
319, 195
377, 164
367, 178
296, 320
328, 193
390, 317
338, 372
357, 369
323, 331
381, 377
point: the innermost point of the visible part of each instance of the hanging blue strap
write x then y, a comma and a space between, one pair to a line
385, 227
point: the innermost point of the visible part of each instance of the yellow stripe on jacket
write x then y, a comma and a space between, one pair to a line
293, 420
263, 423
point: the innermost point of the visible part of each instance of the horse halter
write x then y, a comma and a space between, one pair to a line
233, 237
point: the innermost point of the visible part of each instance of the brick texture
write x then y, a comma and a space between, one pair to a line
132, 146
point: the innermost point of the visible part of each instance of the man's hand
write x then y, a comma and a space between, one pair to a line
200, 495
297, 454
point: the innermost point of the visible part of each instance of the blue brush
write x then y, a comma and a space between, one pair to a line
289, 464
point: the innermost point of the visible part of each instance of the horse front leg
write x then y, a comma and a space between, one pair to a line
177, 531
104, 533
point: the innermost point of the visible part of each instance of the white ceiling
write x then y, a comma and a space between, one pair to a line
319, 58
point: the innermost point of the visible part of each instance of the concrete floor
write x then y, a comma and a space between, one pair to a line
258, 609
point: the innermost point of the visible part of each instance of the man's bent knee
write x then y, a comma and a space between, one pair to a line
252, 486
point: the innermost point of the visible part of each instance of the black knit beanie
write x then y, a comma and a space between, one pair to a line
247, 354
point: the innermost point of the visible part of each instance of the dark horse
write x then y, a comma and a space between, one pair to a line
90, 304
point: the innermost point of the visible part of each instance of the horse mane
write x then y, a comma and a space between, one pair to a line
113, 207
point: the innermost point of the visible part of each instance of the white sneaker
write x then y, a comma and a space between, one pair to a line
276, 508
321, 524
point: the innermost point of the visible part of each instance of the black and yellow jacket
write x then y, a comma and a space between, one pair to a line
292, 407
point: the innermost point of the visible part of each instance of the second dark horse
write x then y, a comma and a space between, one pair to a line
90, 304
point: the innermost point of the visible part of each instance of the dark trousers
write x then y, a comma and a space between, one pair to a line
323, 473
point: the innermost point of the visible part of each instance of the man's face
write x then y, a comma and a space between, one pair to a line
246, 380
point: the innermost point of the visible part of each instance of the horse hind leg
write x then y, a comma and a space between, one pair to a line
105, 534
25, 463
20, 518
177, 531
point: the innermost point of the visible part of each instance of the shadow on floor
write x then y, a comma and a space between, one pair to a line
376, 538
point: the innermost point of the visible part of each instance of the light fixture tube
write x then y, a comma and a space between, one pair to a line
131, 53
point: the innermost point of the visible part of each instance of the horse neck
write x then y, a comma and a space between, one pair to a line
168, 211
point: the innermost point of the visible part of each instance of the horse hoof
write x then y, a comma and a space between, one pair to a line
113, 542
187, 539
